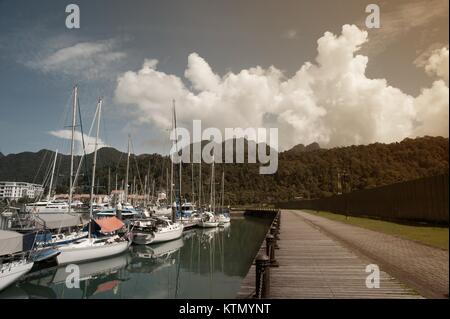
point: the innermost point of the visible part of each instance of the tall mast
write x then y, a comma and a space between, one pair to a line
99, 108
171, 179
109, 180
145, 190
223, 190
153, 189
126, 175
147, 184
176, 148
192, 179
212, 195
167, 184
51, 178
200, 184
74, 122
171, 186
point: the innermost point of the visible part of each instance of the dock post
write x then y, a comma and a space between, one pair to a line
270, 250
279, 218
262, 276
275, 231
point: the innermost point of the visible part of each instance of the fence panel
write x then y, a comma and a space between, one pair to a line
424, 199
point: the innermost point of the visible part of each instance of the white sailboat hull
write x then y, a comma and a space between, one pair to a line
10, 272
75, 253
46, 210
168, 235
203, 224
142, 238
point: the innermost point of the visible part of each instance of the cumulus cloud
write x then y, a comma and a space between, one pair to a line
89, 141
432, 104
438, 64
330, 101
89, 60
200, 74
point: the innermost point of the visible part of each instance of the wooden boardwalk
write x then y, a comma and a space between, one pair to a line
312, 265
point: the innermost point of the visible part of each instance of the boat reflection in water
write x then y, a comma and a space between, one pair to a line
96, 277
203, 263
147, 259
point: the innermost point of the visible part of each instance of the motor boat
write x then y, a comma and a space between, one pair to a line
156, 230
50, 206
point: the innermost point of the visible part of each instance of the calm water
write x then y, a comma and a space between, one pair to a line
204, 263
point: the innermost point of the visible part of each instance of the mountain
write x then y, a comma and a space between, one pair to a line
302, 148
303, 171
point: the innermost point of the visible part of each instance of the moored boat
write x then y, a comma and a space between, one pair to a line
156, 230
208, 220
14, 262
92, 248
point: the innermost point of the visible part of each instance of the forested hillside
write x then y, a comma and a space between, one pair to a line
303, 172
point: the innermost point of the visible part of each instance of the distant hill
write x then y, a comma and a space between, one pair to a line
302, 148
303, 171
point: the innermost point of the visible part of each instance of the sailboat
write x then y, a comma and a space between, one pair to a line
126, 209
155, 230
48, 205
208, 219
59, 209
224, 217
13, 263
93, 248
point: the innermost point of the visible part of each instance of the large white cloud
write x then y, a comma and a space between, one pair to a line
438, 64
432, 104
330, 101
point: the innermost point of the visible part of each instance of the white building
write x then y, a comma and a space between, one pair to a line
16, 190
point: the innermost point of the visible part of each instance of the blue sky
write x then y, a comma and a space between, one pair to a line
228, 36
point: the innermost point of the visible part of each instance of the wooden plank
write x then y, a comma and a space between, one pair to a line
312, 265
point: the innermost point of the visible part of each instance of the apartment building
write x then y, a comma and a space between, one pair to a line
16, 190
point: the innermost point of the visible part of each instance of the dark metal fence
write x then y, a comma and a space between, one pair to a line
424, 199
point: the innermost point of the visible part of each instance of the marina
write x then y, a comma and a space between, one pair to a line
203, 263
248, 154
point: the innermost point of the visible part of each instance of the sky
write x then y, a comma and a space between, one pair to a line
311, 68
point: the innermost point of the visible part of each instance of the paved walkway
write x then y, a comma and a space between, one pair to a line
315, 265
420, 267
